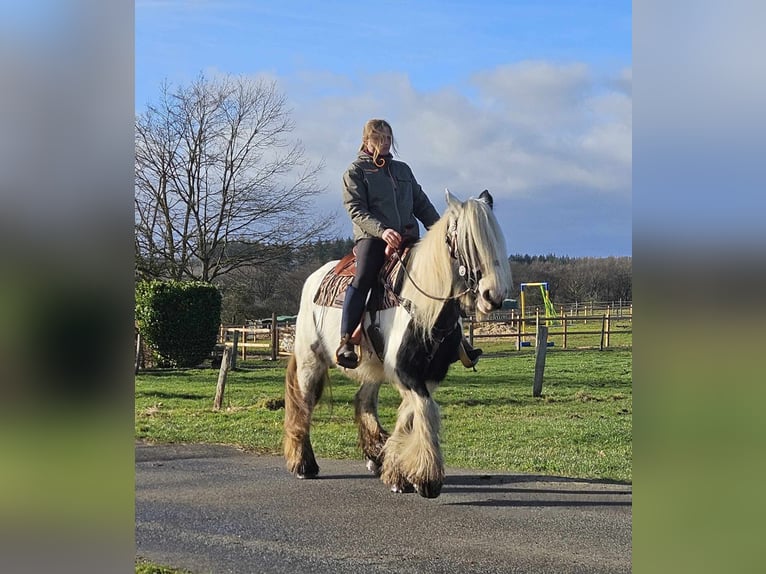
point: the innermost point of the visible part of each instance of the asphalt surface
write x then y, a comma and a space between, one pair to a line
217, 509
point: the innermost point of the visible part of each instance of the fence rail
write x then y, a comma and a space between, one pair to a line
278, 340
523, 330
275, 340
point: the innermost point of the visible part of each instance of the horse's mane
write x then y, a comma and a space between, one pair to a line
480, 240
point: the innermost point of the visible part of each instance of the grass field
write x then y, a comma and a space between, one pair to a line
580, 427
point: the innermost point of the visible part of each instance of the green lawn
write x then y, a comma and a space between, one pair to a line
580, 427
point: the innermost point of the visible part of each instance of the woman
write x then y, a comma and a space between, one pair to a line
384, 201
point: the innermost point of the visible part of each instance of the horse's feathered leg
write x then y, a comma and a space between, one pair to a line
303, 389
392, 472
412, 453
423, 461
372, 436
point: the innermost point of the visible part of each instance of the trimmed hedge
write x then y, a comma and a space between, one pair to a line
178, 321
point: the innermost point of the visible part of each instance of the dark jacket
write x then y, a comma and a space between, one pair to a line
386, 197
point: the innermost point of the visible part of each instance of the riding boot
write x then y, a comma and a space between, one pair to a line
353, 309
467, 354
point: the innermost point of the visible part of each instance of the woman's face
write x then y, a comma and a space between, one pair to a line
381, 140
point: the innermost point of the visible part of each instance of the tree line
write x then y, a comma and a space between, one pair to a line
574, 279
275, 287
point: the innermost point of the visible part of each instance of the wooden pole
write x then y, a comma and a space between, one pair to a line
235, 344
274, 337
222, 372
603, 330
564, 320
608, 327
138, 352
470, 330
540, 352
537, 323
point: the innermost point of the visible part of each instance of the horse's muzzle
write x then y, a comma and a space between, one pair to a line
487, 302
492, 299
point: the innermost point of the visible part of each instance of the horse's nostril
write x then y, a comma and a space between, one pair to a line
488, 297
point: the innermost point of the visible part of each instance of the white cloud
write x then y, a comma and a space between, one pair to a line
520, 131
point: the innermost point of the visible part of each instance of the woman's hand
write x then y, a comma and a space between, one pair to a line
392, 238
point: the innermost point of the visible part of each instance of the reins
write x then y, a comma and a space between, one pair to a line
434, 297
462, 271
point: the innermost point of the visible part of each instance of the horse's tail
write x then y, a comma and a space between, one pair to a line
295, 409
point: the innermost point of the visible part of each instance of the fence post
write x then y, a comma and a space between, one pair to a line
138, 352
603, 331
564, 321
470, 330
235, 344
540, 352
222, 372
274, 337
537, 323
608, 327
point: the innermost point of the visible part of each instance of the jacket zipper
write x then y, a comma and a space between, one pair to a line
394, 188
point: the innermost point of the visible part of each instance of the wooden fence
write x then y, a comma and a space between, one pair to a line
274, 341
523, 331
277, 340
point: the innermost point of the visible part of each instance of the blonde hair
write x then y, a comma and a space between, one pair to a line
372, 133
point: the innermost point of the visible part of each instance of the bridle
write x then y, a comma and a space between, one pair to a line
470, 274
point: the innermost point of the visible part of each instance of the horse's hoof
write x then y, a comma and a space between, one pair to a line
374, 467
429, 489
307, 471
406, 488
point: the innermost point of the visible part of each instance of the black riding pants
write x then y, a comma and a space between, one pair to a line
370, 256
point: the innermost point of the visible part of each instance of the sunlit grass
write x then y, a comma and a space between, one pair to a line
580, 427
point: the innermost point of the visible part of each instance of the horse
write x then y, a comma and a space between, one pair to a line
458, 266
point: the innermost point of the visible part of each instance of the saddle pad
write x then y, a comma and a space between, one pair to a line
332, 289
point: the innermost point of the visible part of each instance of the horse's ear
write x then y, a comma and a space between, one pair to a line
451, 199
486, 197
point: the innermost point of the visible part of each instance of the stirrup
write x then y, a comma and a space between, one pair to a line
468, 356
346, 355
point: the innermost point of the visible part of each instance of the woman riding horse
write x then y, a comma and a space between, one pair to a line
383, 199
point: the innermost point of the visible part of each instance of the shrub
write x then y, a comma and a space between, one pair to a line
178, 321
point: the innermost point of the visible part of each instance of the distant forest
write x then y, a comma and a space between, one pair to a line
257, 292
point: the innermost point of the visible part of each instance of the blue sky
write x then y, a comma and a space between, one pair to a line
531, 100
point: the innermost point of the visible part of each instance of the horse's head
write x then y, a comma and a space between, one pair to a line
477, 245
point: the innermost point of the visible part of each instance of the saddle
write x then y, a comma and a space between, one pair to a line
384, 294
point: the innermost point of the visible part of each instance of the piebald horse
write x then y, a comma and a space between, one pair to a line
460, 265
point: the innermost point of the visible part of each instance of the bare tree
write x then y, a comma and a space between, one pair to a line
218, 184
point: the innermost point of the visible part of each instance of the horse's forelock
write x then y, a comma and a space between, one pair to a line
479, 230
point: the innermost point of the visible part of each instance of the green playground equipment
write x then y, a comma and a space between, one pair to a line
550, 312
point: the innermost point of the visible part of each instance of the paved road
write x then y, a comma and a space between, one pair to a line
216, 509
